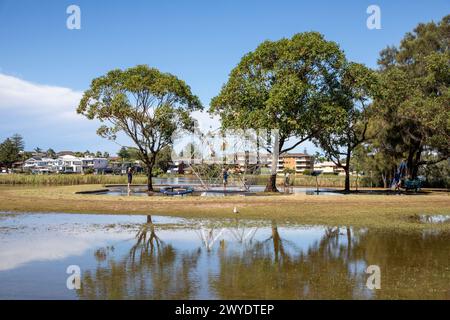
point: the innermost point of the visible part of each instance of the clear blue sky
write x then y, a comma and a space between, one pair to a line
199, 41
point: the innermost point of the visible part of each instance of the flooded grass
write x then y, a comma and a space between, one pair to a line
159, 257
430, 219
374, 211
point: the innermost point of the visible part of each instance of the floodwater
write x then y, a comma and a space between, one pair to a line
219, 191
155, 257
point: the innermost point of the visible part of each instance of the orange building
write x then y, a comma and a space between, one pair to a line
296, 161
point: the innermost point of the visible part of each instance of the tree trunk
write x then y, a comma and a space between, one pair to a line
347, 173
149, 180
409, 162
384, 178
272, 183
347, 180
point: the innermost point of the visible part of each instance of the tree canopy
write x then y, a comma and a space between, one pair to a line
413, 106
147, 105
284, 86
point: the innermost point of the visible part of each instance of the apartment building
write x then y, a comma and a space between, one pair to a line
295, 161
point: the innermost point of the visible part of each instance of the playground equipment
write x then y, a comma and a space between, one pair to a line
209, 154
176, 191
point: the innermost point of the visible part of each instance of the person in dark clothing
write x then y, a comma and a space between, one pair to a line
225, 178
130, 176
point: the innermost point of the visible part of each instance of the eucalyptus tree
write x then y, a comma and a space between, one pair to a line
282, 86
147, 105
351, 111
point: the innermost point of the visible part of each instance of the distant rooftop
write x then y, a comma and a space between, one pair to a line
294, 155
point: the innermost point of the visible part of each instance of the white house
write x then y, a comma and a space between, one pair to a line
69, 164
328, 167
40, 165
65, 164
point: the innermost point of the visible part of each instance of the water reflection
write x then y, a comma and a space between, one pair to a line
234, 259
152, 269
274, 267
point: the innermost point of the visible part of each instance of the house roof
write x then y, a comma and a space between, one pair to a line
325, 164
294, 155
64, 153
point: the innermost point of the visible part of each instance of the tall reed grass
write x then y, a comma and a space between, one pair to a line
66, 179
76, 179
330, 181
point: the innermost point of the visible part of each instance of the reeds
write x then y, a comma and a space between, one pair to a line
66, 179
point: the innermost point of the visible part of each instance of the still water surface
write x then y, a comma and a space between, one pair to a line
155, 257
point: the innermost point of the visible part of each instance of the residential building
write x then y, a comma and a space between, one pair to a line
329, 167
40, 165
295, 161
65, 164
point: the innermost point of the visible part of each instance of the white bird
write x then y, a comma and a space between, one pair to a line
235, 210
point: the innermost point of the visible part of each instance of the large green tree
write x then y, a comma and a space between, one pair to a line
414, 106
351, 111
147, 105
9, 152
281, 86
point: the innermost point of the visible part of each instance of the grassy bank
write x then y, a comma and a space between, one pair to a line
376, 211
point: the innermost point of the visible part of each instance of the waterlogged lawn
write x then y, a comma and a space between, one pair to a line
158, 257
375, 211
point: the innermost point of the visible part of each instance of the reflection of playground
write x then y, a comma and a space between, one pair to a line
240, 233
276, 264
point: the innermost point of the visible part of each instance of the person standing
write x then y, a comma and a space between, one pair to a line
130, 176
225, 178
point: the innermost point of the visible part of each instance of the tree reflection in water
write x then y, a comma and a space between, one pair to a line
279, 264
277, 268
151, 270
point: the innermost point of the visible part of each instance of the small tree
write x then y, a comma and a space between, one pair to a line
124, 153
50, 153
145, 104
164, 159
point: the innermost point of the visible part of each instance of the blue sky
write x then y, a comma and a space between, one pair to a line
46, 66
